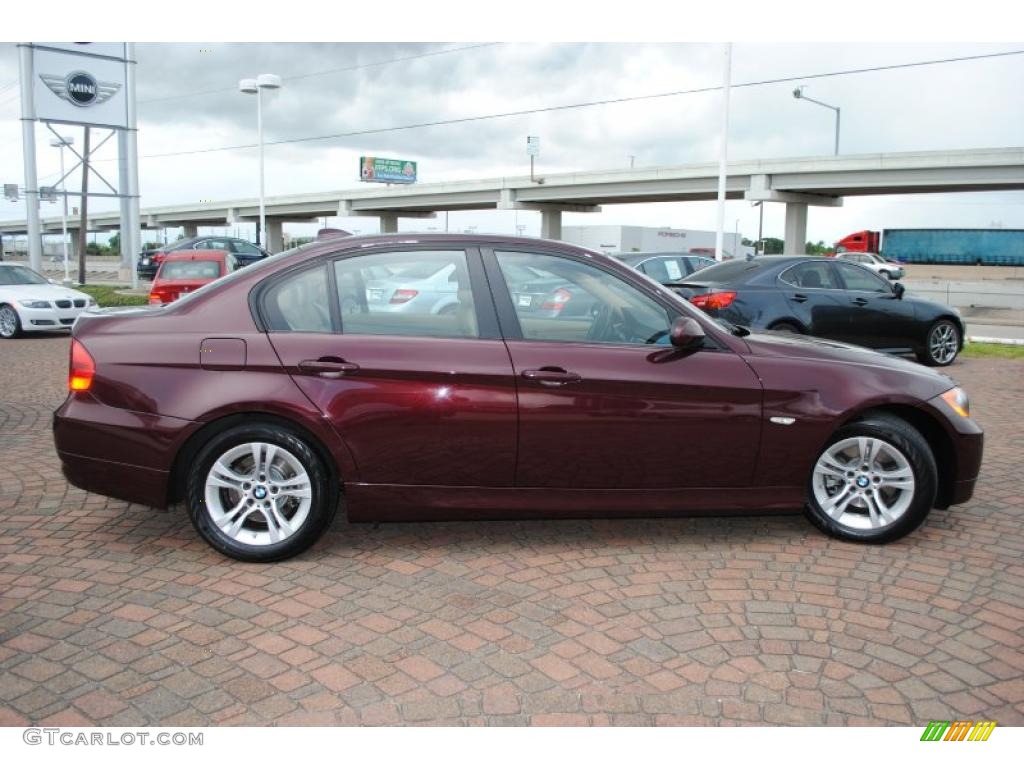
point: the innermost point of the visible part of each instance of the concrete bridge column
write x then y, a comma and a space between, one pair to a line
389, 223
275, 236
191, 230
551, 225
796, 229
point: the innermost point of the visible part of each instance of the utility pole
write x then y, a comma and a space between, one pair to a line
723, 151
83, 227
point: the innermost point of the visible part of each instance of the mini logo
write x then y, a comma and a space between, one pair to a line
80, 88
958, 730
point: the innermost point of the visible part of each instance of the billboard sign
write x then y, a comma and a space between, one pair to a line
79, 88
386, 170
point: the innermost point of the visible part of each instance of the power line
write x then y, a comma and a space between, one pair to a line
350, 68
601, 102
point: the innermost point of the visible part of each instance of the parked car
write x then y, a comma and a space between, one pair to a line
665, 267
244, 252
31, 303
830, 298
182, 272
258, 402
890, 270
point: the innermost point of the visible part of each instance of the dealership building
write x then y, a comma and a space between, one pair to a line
621, 239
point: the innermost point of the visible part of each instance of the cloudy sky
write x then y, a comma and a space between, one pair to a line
188, 101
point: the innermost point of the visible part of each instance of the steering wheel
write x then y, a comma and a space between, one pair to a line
610, 326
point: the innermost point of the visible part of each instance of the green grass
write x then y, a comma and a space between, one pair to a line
107, 296
1006, 351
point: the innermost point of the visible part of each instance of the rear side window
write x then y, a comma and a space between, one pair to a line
299, 303
189, 270
406, 293
811, 274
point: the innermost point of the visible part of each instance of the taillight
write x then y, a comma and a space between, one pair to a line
158, 257
402, 295
558, 300
82, 368
719, 300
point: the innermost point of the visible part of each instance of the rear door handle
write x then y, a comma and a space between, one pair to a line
328, 367
551, 376
799, 298
860, 302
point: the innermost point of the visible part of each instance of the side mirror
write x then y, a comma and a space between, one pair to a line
898, 290
686, 333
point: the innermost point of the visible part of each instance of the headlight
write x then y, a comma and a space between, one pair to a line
34, 304
90, 302
957, 400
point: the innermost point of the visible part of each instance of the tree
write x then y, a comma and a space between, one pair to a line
817, 249
773, 246
115, 243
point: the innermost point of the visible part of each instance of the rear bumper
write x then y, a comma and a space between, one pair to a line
116, 452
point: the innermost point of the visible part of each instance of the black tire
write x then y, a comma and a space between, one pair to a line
13, 331
785, 328
927, 355
323, 503
918, 454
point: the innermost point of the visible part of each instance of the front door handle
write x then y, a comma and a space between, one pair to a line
799, 298
860, 302
328, 367
552, 376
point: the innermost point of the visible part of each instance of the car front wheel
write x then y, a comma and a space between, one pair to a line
10, 323
942, 344
874, 482
260, 493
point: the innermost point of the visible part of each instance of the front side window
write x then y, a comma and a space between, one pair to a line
299, 303
561, 299
862, 279
406, 293
810, 274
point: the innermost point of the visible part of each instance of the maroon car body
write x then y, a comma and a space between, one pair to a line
448, 428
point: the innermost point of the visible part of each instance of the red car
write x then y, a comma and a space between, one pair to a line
185, 271
263, 397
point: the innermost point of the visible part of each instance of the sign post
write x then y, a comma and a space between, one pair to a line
90, 85
533, 150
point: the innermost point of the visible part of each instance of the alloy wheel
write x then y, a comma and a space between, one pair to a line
8, 322
863, 483
943, 343
258, 494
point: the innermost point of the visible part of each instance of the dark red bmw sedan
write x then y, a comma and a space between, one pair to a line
411, 375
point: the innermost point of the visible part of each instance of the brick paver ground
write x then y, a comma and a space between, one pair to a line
118, 615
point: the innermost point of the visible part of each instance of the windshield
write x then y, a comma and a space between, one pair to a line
12, 274
189, 270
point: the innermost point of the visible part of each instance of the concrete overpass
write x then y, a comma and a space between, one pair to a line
795, 182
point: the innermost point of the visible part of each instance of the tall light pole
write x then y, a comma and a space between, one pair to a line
798, 93
257, 85
723, 149
64, 141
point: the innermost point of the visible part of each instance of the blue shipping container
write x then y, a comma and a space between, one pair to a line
955, 246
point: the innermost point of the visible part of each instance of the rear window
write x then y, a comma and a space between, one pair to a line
190, 270
727, 271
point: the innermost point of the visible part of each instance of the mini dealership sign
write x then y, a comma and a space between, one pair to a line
386, 170
80, 84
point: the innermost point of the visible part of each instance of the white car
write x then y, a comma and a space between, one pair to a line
30, 302
887, 269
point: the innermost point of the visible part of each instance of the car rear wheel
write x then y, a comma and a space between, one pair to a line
874, 482
260, 493
10, 323
942, 344
784, 328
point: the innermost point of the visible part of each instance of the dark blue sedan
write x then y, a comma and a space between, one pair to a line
830, 298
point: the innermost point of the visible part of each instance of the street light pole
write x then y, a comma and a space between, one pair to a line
256, 86
61, 142
798, 93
